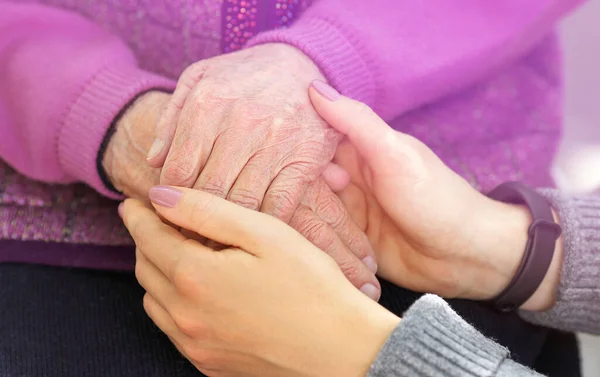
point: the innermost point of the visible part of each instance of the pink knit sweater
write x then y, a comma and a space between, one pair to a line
477, 81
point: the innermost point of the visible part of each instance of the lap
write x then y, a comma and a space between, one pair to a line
69, 322
73, 322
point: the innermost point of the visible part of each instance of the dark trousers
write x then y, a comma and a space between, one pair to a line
82, 323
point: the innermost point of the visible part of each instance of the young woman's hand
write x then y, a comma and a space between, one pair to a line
430, 229
271, 304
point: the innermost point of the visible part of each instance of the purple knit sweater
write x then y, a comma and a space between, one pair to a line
479, 82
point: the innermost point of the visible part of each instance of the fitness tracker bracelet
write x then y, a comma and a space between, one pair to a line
542, 235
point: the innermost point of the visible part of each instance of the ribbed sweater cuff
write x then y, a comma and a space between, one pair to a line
90, 117
432, 340
332, 51
578, 298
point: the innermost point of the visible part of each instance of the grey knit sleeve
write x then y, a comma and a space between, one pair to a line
578, 298
432, 340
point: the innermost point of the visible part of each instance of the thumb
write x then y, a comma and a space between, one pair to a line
371, 136
335, 177
222, 221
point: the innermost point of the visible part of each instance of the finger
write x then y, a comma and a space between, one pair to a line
161, 318
335, 177
167, 123
328, 207
160, 243
192, 145
226, 161
355, 201
251, 185
153, 280
324, 237
221, 221
366, 130
286, 190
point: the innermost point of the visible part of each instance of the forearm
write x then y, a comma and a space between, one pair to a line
63, 81
397, 55
432, 340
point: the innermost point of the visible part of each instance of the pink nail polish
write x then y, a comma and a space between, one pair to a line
326, 90
120, 209
165, 196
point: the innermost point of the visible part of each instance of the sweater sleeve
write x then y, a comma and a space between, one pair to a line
396, 55
577, 306
432, 340
63, 80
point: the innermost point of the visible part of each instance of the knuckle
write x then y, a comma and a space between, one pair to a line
184, 276
192, 74
329, 209
317, 232
188, 324
351, 270
214, 186
179, 173
302, 171
146, 303
207, 359
138, 271
359, 244
245, 198
284, 202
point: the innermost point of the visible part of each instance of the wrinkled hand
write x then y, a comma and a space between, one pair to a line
241, 126
430, 229
124, 160
274, 305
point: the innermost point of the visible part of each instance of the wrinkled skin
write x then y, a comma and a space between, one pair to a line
267, 147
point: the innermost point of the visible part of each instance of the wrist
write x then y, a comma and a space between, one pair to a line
364, 328
124, 160
499, 247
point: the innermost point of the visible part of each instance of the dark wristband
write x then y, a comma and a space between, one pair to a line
542, 235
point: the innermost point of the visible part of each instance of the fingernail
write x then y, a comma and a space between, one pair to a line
370, 263
371, 291
155, 149
165, 196
120, 209
326, 90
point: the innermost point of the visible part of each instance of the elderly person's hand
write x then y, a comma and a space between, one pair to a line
321, 217
125, 155
270, 305
241, 127
432, 231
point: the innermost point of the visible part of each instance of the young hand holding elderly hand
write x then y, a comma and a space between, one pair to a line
272, 304
258, 143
